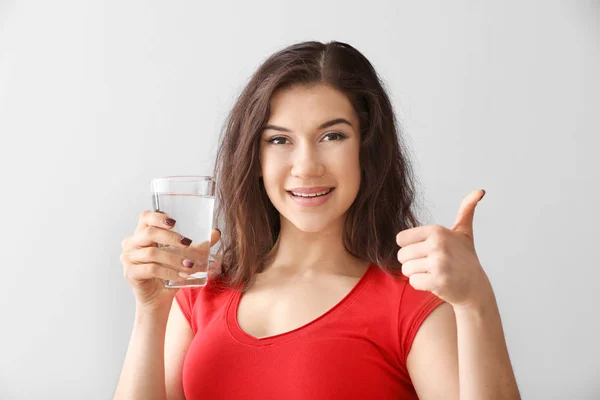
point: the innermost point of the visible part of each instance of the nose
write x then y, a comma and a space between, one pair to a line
306, 162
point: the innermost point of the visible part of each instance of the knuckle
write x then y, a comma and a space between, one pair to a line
148, 231
153, 269
412, 280
405, 269
150, 253
436, 231
145, 215
438, 228
127, 272
435, 238
401, 256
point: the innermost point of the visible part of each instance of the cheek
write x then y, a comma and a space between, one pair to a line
347, 167
272, 171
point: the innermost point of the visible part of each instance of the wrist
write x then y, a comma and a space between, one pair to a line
480, 305
152, 311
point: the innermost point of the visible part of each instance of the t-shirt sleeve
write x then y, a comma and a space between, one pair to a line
415, 307
184, 299
196, 302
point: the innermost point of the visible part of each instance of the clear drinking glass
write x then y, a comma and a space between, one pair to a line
190, 201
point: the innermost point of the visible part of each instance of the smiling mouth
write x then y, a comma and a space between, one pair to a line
312, 195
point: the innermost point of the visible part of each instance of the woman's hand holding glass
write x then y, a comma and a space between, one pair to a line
146, 265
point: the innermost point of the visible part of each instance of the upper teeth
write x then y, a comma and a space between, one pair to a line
312, 194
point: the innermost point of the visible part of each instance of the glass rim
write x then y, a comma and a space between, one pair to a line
184, 178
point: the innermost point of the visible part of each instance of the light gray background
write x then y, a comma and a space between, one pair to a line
98, 97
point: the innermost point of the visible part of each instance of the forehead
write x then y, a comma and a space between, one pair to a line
303, 105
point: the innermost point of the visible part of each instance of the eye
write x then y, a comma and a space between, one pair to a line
334, 136
276, 140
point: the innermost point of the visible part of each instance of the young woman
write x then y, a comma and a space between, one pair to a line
327, 287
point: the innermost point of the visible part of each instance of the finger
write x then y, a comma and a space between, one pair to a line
466, 212
142, 272
149, 255
415, 235
419, 266
413, 252
215, 236
421, 282
152, 234
199, 250
154, 218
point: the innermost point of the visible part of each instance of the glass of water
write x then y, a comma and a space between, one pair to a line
189, 200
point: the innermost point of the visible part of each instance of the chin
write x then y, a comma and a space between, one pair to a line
312, 220
310, 228
311, 224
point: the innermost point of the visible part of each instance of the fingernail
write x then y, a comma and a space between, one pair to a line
170, 221
185, 241
184, 275
188, 263
483, 193
218, 230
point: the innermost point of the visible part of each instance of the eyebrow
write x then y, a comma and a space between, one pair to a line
322, 126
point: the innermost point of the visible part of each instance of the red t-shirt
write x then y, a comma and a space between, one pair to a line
356, 350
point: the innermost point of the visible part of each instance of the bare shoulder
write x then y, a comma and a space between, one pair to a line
178, 337
432, 362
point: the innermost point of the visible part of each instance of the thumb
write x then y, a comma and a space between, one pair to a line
466, 212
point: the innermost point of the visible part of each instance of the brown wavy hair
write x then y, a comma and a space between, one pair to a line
383, 207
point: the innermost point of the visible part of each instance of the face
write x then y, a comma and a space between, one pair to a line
309, 156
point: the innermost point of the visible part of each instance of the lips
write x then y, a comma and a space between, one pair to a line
317, 198
309, 190
311, 194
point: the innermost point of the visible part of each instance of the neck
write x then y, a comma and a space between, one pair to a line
309, 253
